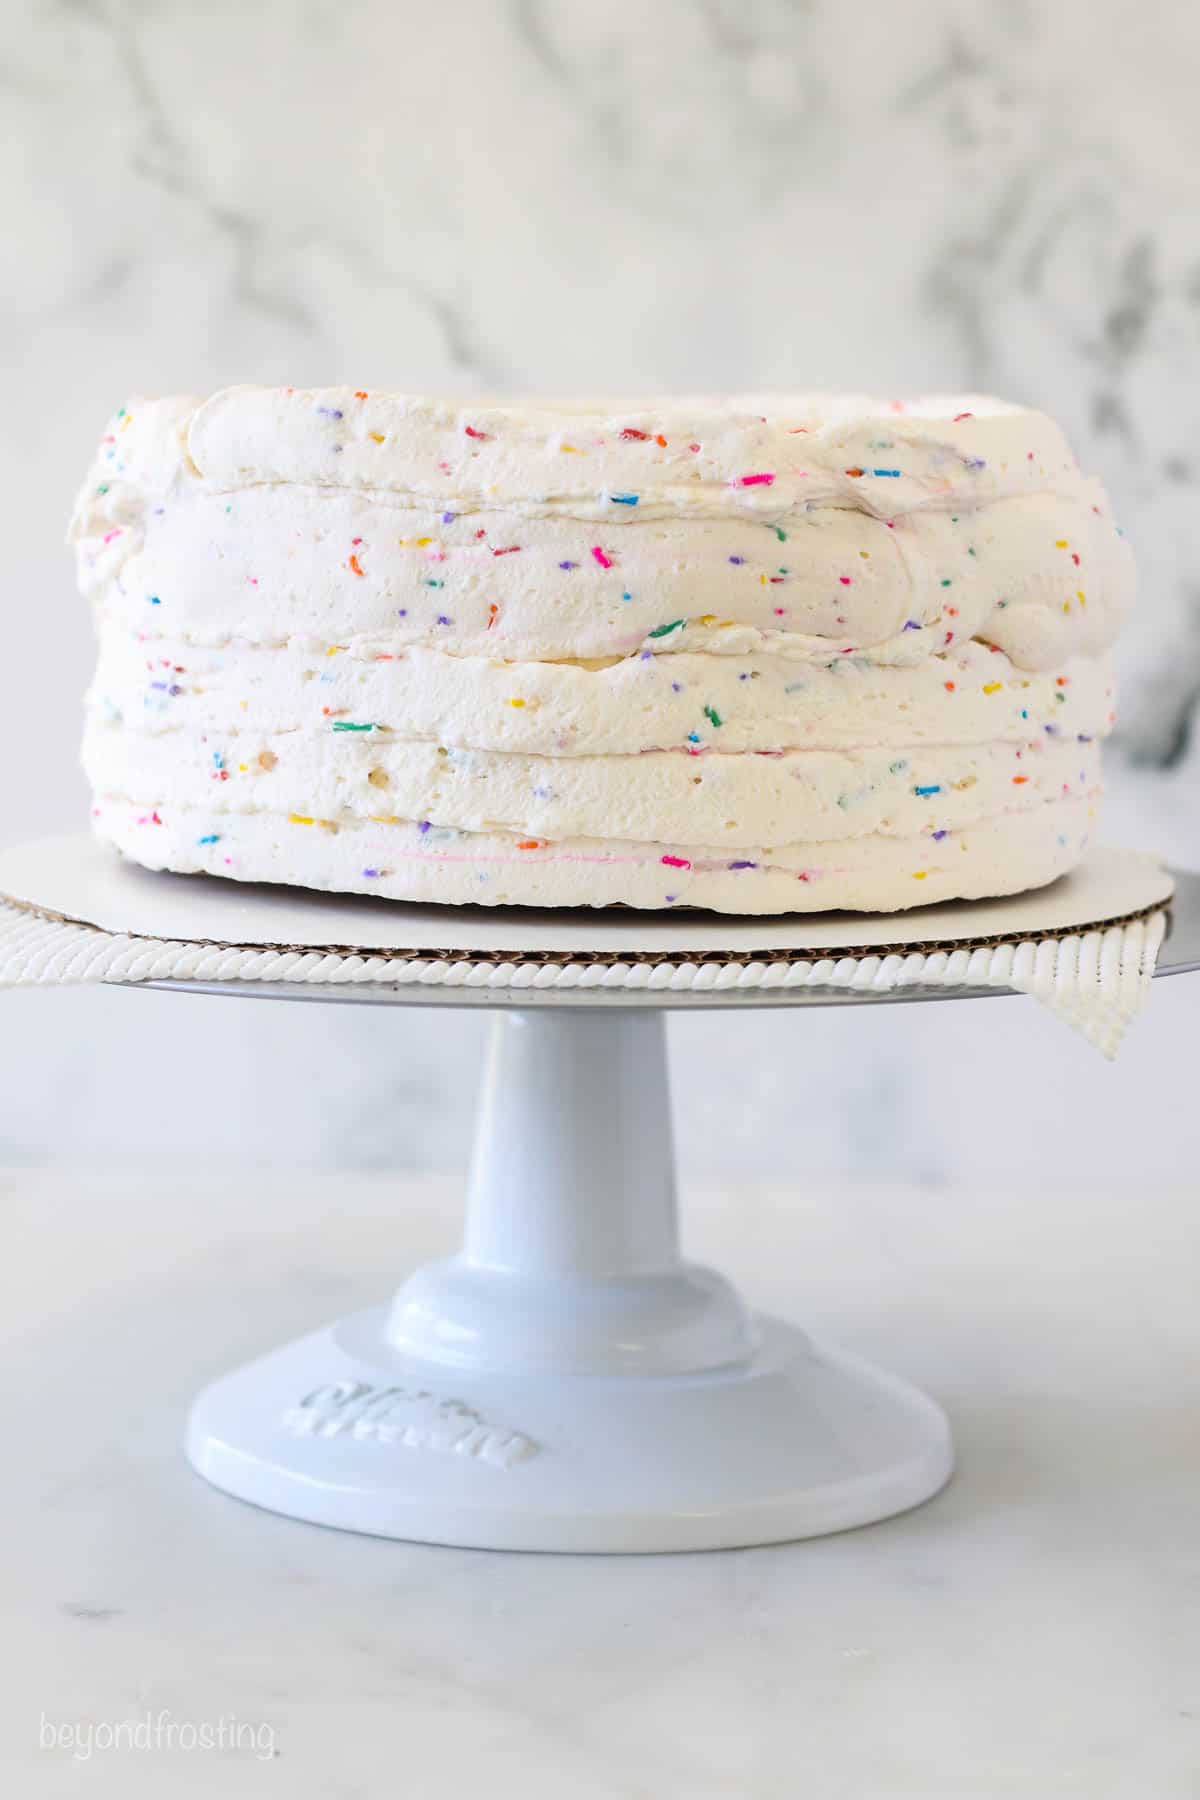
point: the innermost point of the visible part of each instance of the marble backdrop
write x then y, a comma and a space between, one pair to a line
555, 195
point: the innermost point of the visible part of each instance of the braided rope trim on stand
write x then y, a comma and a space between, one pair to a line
1096, 980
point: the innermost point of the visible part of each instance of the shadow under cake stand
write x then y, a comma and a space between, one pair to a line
568, 1381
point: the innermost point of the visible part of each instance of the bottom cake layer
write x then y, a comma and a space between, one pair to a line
1005, 854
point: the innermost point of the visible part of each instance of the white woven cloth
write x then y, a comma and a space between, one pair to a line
1096, 980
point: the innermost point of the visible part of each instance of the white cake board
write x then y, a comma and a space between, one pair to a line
568, 1381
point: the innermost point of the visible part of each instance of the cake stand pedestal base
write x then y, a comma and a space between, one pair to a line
568, 1381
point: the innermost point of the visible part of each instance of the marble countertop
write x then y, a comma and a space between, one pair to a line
1034, 1631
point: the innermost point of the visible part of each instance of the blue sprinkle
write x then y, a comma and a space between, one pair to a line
159, 684
693, 737
423, 827
449, 518
1081, 737
402, 612
624, 499
677, 687
568, 565
627, 596
370, 874
331, 412
739, 560
975, 462
442, 619
939, 835
893, 474
174, 689
923, 792
743, 865
154, 599
212, 838
912, 625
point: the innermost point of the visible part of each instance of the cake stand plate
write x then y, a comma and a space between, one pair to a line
568, 1381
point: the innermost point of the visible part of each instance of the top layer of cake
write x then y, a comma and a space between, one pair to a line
812, 529
383, 612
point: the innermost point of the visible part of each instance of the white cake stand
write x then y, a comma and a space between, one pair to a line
567, 1381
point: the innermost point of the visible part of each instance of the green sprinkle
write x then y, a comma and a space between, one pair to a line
345, 725
664, 630
430, 582
1061, 698
781, 534
713, 716
103, 488
946, 581
971, 550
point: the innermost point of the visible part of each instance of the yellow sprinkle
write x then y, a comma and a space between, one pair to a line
299, 819
570, 450
992, 687
866, 555
762, 581
376, 437
242, 767
423, 541
327, 825
334, 648
1079, 593
920, 874
1066, 606
1060, 543
516, 703
382, 819
710, 618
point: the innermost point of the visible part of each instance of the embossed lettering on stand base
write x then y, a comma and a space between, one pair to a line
412, 1417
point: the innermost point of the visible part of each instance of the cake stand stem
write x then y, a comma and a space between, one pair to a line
571, 1260
568, 1381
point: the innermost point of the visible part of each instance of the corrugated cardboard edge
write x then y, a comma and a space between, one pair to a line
613, 958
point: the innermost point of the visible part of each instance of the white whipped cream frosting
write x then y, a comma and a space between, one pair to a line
691, 631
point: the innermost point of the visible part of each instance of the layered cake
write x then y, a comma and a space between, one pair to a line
762, 655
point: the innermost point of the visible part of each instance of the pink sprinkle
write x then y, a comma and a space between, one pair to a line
757, 480
677, 862
114, 533
845, 580
481, 435
606, 562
